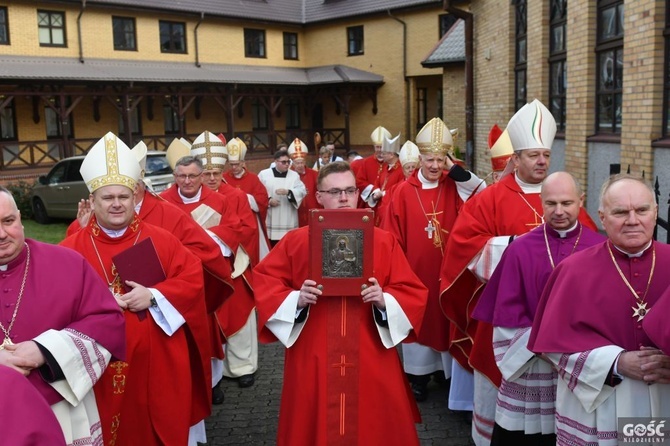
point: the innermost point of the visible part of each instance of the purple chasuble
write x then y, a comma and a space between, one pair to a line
586, 304
62, 291
511, 296
655, 324
25, 417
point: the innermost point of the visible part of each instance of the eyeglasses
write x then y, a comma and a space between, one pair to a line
183, 177
283, 162
213, 174
335, 192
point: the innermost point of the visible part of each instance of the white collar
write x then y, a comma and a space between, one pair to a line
562, 233
637, 254
425, 184
193, 199
527, 188
113, 233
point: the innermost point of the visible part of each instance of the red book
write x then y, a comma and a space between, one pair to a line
140, 263
341, 255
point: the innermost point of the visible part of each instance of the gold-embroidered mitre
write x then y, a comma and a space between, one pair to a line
434, 138
110, 162
209, 149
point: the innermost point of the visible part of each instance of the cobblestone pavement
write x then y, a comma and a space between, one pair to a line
249, 416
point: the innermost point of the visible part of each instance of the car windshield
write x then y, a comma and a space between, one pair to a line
157, 165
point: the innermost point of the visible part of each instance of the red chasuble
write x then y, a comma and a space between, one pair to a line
164, 386
250, 184
367, 172
218, 283
239, 203
421, 220
388, 178
500, 210
341, 385
309, 202
234, 313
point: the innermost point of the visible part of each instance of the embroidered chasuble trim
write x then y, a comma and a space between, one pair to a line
343, 369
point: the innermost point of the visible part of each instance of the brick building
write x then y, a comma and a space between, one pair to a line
267, 71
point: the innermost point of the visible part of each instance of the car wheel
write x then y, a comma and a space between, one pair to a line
40, 212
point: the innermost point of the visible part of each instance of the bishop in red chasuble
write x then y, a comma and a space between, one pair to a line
343, 380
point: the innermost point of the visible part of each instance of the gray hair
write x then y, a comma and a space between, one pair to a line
188, 160
613, 179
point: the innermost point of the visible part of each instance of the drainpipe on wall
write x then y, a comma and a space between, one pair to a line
404, 73
195, 32
81, 45
469, 82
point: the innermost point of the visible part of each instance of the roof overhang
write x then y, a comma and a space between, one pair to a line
20, 69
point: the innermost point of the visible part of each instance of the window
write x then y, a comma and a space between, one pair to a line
446, 22
520, 54
259, 115
558, 68
123, 29
8, 123
4, 26
254, 43
135, 122
440, 106
292, 114
609, 66
355, 40
51, 28
170, 117
291, 46
173, 37
421, 107
53, 122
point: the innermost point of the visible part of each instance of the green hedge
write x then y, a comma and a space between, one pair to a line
21, 192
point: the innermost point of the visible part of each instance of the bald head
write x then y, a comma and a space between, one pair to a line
562, 198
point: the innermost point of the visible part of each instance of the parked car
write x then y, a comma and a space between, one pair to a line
57, 194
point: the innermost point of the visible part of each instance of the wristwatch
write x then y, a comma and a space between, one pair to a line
153, 302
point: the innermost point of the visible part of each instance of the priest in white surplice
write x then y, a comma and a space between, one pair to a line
285, 192
589, 321
60, 324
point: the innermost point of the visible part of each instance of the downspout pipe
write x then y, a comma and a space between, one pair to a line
470, 159
195, 32
404, 73
81, 45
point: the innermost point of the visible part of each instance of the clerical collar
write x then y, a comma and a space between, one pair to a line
637, 254
138, 206
241, 174
18, 260
279, 174
113, 233
527, 188
193, 199
563, 233
425, 184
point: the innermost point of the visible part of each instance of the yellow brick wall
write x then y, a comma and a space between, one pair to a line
643, 83
494, 73
580, 95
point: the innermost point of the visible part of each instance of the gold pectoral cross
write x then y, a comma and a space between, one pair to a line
434, 229
7, 342
536, 222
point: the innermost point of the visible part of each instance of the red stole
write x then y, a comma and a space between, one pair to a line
343, 372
